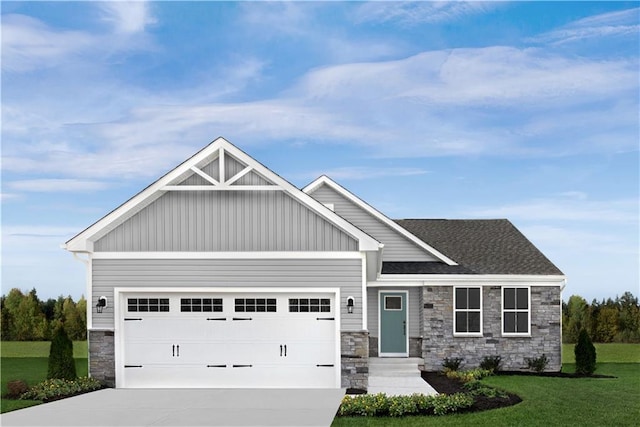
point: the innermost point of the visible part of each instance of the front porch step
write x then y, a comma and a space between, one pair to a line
397, 376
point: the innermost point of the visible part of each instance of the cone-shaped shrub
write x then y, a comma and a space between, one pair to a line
61, 363
585, 354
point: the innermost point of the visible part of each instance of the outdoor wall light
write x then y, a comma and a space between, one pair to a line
102, 303
350, 301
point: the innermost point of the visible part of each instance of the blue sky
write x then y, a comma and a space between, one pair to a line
525, 111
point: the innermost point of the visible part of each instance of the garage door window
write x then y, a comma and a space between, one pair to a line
147, 304
255, 305
309, 305
198, 305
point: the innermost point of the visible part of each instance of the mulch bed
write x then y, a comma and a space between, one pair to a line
445, 385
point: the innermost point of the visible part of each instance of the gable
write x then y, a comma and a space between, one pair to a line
396, 246
206, 221
224, 193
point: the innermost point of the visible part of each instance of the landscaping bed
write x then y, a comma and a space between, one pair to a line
442, 384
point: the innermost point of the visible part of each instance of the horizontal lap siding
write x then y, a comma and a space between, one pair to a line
415, 310
345, 274
226, 221
396, 246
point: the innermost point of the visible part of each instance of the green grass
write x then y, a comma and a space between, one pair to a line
551, 401
37, 349
28, 361
606, 353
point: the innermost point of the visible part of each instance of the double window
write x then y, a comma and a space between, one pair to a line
516, 311
467, 303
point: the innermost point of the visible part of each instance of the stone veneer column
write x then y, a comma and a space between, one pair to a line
355, 360
102, 357
546, 336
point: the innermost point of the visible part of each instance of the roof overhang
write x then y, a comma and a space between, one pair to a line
325, 180
452, 279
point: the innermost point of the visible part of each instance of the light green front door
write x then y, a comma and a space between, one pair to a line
393, 323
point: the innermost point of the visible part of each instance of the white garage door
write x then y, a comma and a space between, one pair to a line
229, 340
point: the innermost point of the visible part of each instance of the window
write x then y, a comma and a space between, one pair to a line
199, 305
255, 305
309, 305
467, 303
516, 313
393, 303
147, 305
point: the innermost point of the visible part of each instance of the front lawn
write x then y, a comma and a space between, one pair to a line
28, 361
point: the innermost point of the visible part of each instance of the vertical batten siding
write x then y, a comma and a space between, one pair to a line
415, 310
345, 274
396, 246
226, 221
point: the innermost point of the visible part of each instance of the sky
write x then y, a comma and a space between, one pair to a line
524, 110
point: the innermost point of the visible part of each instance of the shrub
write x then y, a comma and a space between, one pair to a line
538, 364
466, 376
478, 388
57, 388
585, 353
61, 364
491, 363
452, 364
398, 406
15, 388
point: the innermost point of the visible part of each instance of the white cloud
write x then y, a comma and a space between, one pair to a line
619, 23
364, 172
570, 209
414, 13
127, 16
28, 44
56, 185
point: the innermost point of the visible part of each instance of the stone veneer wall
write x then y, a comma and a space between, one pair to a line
102, 364
355, 359
415, 347
546, 336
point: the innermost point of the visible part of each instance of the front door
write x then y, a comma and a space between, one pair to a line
393, 324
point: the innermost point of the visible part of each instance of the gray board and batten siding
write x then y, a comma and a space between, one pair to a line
345, 274
396, 246
210, 221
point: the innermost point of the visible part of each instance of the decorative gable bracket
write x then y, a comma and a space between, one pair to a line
221, 182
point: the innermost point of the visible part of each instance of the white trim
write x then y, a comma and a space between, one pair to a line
204, 175
89, 285
502, 311
228, 255
467, 310
221, 168
82, 242
378, 215
118, 318
365, 308
239, 175
406, 303
435, 279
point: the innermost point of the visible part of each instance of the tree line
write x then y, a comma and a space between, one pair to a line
611, 320
24, 317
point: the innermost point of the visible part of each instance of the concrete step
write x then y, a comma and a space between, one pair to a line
396, 381
395, 360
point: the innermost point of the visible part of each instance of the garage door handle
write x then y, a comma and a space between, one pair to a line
173, 350
285, 350
242, 318
242, 366
280, 350
177, 351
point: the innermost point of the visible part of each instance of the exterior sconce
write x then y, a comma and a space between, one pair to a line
350, 301
102, 303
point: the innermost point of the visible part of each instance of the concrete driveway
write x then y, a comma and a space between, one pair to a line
185, 407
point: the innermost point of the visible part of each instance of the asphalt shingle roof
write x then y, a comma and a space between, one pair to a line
486, 246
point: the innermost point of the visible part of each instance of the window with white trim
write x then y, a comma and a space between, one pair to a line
516, 311
467, 311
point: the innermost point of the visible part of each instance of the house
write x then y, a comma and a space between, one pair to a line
223, 274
